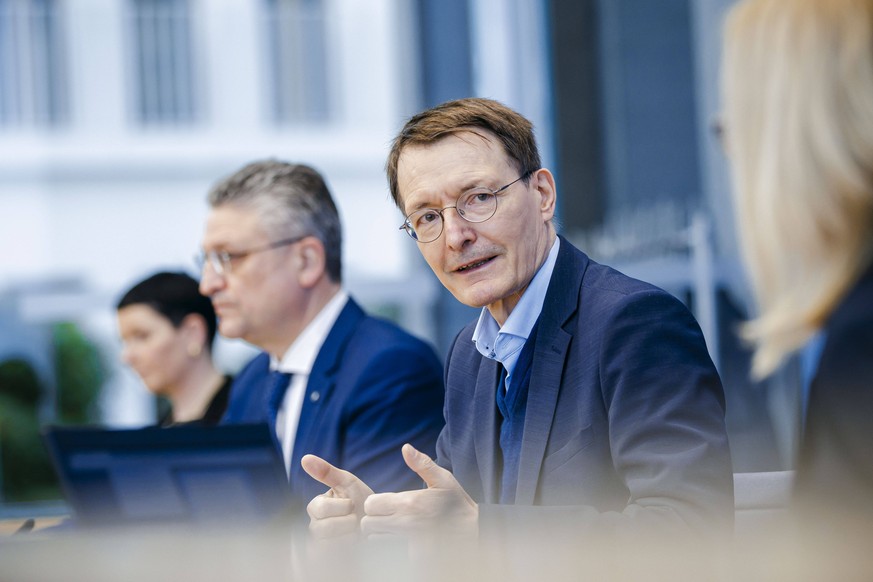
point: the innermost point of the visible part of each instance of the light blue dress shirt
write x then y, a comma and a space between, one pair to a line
504, 344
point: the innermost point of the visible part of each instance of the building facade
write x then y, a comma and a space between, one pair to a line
117, 115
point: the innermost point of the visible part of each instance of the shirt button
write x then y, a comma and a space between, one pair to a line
314, 396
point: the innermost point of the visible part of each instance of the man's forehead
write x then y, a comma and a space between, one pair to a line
232, 222
473, 137
452, 161
475, 146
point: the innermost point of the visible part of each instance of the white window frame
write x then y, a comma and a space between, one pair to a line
298, 63
163, 63
33, 82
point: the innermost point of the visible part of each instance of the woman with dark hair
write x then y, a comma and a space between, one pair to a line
168, 328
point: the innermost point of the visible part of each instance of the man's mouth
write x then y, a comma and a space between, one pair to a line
221, 308
474, 265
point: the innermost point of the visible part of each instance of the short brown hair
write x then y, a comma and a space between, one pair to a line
513, 131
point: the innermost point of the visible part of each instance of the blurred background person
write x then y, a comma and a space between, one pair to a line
798, 99
168, 328
331, 380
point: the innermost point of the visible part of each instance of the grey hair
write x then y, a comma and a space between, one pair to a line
292, 199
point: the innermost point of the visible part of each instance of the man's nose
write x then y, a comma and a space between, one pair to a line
456, 230
210, 281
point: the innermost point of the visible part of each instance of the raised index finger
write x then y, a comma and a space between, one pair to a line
343, 483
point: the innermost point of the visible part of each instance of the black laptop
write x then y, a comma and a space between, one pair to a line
184, 474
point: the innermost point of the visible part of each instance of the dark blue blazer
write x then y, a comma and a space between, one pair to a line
625, 411
373, 387
834, 482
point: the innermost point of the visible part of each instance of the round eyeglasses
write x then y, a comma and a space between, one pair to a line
476, 205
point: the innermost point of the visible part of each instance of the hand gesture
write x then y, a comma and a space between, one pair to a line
443, 507
336, 513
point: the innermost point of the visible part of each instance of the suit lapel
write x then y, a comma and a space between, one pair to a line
322, 378
553, 343
485, 435
545, 384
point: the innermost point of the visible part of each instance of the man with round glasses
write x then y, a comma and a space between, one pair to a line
580, 395
331, 380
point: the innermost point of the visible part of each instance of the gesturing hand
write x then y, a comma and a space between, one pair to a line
336, 513
443, 506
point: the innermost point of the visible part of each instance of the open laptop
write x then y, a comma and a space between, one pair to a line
184, 474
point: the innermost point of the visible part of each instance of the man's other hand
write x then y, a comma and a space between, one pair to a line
337, 512
443, 507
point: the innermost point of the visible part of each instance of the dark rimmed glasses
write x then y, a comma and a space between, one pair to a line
476, 205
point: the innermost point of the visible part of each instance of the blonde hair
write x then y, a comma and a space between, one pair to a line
798, 96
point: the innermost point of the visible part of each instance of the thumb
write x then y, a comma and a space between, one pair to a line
434, 476
343, 483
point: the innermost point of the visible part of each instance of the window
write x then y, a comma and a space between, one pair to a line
298, 60
32, 82
163, 62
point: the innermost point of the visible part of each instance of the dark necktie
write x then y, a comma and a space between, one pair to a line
278, 384
512, 407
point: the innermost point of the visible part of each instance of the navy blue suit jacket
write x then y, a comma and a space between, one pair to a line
834, 482
625, 412
373, 387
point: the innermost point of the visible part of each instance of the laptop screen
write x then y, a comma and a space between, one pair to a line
185, 474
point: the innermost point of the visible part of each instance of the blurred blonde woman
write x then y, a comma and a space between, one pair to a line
798, 104
168, 328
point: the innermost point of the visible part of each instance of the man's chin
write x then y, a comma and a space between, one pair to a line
229, 330
474, 291
474, 301
476, 298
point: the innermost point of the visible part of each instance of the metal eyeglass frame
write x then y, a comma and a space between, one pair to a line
407, 224
220, 261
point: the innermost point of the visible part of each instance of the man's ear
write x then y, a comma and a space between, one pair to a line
312, 261
544, 182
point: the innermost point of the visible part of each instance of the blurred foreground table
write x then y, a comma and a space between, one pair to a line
227, 551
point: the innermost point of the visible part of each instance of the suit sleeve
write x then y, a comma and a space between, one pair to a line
443, 450
666, 413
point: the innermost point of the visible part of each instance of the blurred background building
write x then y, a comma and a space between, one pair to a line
116, 116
